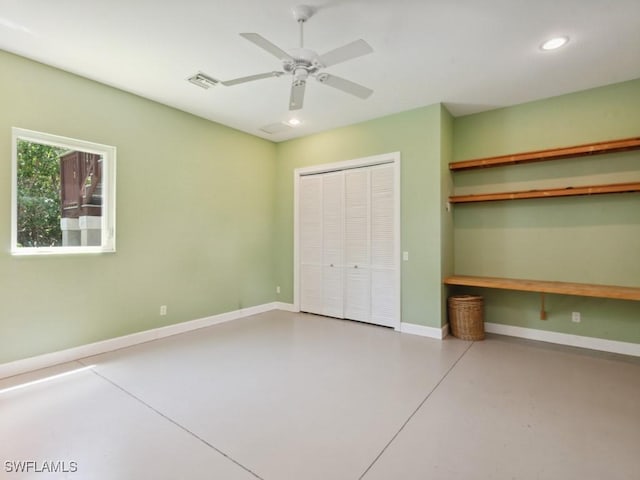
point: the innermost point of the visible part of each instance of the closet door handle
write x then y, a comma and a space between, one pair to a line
331, 265
355, 266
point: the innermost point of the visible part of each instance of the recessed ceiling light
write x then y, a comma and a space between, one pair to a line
554, 43
294, 122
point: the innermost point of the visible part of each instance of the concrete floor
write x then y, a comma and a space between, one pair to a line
281, 396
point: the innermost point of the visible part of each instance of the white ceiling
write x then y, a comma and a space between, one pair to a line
473, 55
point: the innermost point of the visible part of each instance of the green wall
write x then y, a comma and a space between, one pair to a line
205, 213
447, 264
195, 217
576, 239
424, 142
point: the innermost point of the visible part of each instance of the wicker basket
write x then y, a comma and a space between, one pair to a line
466, 317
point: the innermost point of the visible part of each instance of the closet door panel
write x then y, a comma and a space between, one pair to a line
383, 297
357, 217
383, 246
311, 289
382, 217
310, 221
357, 302
333, 241
333, 217
333, 291
357, 305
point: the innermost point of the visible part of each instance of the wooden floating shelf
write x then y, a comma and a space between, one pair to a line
598, 148
556, 192
542, 286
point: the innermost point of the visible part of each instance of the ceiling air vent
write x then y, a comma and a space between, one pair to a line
203, 81
276, 128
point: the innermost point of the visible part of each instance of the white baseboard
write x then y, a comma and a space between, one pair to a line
611, 346
423, 331
287, 307
69, 355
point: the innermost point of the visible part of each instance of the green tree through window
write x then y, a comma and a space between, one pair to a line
38, 182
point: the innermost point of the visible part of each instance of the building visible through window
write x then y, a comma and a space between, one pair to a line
81, 198
63, 195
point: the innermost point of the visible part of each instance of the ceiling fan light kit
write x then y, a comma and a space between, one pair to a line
302, 63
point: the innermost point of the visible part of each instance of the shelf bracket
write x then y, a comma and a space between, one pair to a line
543, 313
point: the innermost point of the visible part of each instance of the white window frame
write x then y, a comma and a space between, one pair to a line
108, 217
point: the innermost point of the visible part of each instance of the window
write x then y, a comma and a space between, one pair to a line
63, 195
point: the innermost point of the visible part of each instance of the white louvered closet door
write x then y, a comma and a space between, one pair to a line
357, 296
332, 241
348, 244
311, 249
384, 301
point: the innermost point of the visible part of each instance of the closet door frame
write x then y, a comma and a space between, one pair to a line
387, 158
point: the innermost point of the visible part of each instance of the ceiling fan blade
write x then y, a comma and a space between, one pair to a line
346, 52
297, 94
345, 85
251, 78
265, 44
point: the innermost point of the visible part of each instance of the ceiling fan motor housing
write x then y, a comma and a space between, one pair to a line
303, 59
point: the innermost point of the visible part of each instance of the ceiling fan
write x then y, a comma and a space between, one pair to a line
302, 63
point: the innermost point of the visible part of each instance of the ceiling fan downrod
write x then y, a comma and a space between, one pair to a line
302, 13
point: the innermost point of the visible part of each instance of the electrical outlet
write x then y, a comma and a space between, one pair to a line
405, 256
163, 310
575, 317
278, 289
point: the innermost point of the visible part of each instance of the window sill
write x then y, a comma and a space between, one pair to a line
39, 251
